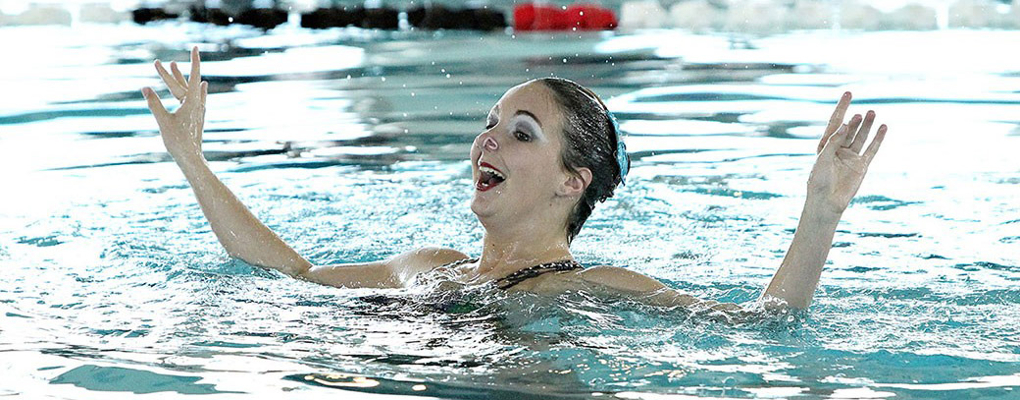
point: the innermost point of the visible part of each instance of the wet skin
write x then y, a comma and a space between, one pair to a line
522, 198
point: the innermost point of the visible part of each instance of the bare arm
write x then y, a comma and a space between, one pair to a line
651, 291
834, 180
240, 233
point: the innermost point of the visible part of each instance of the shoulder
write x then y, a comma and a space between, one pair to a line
620, 279
391, 273
639, 286
426, 258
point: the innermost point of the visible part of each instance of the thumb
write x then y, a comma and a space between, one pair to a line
155, 105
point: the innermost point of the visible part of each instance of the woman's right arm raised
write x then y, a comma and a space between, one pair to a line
240, 233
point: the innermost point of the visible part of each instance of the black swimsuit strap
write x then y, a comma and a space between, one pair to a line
509, 281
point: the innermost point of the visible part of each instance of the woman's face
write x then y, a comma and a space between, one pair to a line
516, 162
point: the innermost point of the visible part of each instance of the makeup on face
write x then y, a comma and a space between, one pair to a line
508, 127
524, 121
527, 124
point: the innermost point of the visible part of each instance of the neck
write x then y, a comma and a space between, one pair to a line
503, 255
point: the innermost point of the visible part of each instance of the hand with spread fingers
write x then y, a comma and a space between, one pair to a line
835, 178
841, 166
181, 129
240, 232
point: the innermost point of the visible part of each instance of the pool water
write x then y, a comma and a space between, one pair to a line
352, 145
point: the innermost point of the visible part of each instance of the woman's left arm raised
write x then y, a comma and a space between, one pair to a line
834, 180
837, 174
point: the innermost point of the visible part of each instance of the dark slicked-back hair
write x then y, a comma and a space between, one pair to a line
590, 142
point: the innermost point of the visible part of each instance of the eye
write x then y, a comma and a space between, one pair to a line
524, 137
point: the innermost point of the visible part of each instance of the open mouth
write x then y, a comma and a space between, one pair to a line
488, 177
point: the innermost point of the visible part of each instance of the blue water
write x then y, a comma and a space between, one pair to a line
353, 145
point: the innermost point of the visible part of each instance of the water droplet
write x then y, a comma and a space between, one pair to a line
383, 78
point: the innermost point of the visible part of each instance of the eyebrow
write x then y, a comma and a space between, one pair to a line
528, 113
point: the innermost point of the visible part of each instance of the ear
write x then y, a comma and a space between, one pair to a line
576, 183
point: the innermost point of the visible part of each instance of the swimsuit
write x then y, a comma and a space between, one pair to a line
466, 302
509, 281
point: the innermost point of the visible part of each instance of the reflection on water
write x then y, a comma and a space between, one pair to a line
352, 145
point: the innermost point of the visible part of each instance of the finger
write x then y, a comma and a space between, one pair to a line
852, 126
835, 120
177, 74
195, 79
155, 105
835, 141
171, 83
205, 92
837, 115
875, 144
862, 135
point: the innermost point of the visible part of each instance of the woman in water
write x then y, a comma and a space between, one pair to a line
549, 152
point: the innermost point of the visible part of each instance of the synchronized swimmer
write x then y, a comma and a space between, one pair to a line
550, 151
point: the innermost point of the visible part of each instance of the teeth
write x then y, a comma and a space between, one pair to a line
492, 171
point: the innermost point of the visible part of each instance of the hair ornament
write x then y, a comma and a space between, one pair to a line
622, 159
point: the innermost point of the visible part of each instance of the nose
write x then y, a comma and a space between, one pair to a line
490, 144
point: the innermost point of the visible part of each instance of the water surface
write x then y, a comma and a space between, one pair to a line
352, 145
